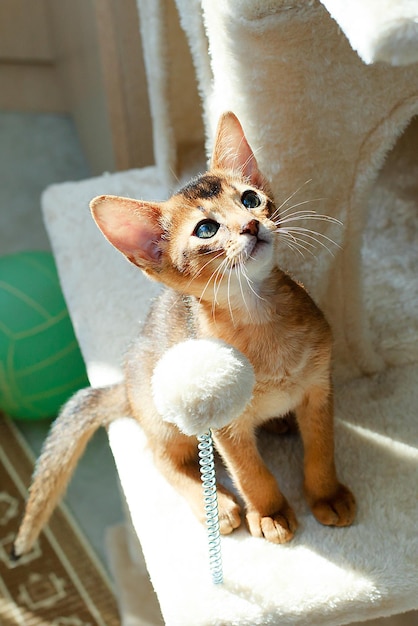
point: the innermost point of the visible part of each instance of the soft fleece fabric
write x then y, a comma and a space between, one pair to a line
314, 111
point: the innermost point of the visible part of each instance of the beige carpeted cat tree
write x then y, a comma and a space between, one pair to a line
327, 93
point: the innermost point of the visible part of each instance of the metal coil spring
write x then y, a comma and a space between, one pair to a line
207, 474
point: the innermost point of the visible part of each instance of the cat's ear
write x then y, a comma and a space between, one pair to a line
131, 226
232, 151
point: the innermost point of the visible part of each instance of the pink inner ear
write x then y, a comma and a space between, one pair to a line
131, 226
232, 151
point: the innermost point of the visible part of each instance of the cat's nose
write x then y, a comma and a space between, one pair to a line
250, 228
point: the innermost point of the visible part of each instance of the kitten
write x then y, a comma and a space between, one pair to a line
214, 245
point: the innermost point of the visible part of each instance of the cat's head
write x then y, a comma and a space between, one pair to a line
214, 237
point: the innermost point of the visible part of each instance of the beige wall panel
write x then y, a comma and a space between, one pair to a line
30, 88
24, 31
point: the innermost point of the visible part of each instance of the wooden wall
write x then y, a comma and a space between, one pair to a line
81, 57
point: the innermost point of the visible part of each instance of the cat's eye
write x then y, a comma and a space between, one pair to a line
250, 199
206, 229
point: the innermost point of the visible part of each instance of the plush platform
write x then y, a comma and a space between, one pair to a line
325, 576
323, 105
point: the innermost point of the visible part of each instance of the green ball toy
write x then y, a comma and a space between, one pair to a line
40, 361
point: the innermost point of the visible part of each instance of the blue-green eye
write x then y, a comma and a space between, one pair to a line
206, 229
250, 199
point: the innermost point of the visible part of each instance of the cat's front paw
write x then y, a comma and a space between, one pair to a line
336, 510
277, 528
229, 513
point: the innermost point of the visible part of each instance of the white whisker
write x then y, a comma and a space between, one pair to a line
280, 215
299, 238
292, 195
294, 243
229, 297
305, 233
218, 279
238, 269
308, 215
210, 277
302, 203
250, 283
301, 229
203, 267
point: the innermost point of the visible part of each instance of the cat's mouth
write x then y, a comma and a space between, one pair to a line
258, 245
253, 250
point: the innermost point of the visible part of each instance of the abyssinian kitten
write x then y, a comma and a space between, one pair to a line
213, 244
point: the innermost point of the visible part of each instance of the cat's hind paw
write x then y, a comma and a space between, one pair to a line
337, 510
286, 425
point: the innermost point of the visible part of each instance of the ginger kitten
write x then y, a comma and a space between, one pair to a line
214, 245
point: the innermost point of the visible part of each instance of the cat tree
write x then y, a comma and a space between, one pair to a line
323, 91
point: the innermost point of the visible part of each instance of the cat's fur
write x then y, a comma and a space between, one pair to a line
226, 286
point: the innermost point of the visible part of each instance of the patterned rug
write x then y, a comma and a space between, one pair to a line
60, 582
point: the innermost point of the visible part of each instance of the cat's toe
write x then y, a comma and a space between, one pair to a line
337, 510
277, 528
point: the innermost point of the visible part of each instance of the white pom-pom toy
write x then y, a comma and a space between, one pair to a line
199, 385
202, 383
